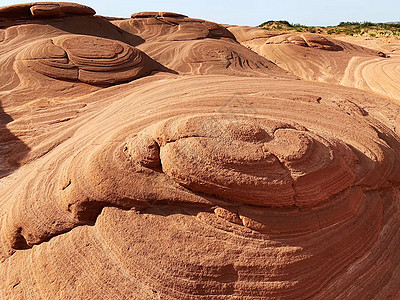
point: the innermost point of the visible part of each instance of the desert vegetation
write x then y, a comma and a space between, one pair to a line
343, 28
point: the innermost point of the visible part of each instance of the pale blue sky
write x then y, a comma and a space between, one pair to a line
254, 12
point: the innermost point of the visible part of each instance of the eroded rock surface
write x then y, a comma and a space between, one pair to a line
192, 46
305, 40
159, 158
88, 59
45, 10
326, 59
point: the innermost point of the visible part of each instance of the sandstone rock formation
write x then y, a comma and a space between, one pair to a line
157, 15
307, 40
44, 10
88, 59
346, 63
192, 46
159, 158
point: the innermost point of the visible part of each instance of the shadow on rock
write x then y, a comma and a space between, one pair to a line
95, 26
12, 149
98, 26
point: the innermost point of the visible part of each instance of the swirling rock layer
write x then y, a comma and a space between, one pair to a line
205, 170
88, 59
45, 10
192, 46
345, 63
305, 40
362, 73
220, 177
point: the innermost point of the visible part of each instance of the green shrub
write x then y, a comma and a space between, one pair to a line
348, 28
312, 29
345, 24
277, 23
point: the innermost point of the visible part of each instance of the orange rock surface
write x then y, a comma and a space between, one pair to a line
342, 61
158, 157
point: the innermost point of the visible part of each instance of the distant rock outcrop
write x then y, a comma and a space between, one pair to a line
157, 15
305, 40
325, 59
45, 10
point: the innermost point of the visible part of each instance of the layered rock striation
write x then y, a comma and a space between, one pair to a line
159, 158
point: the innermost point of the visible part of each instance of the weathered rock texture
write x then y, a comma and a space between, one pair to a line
192, 46
325, 59
159, 158
44, 10
87, 59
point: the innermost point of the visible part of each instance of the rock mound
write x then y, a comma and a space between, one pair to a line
156, 15
45, 10
209, 173
88, 59
317, 58
192, 46
172, 26
267, 163
305, 40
